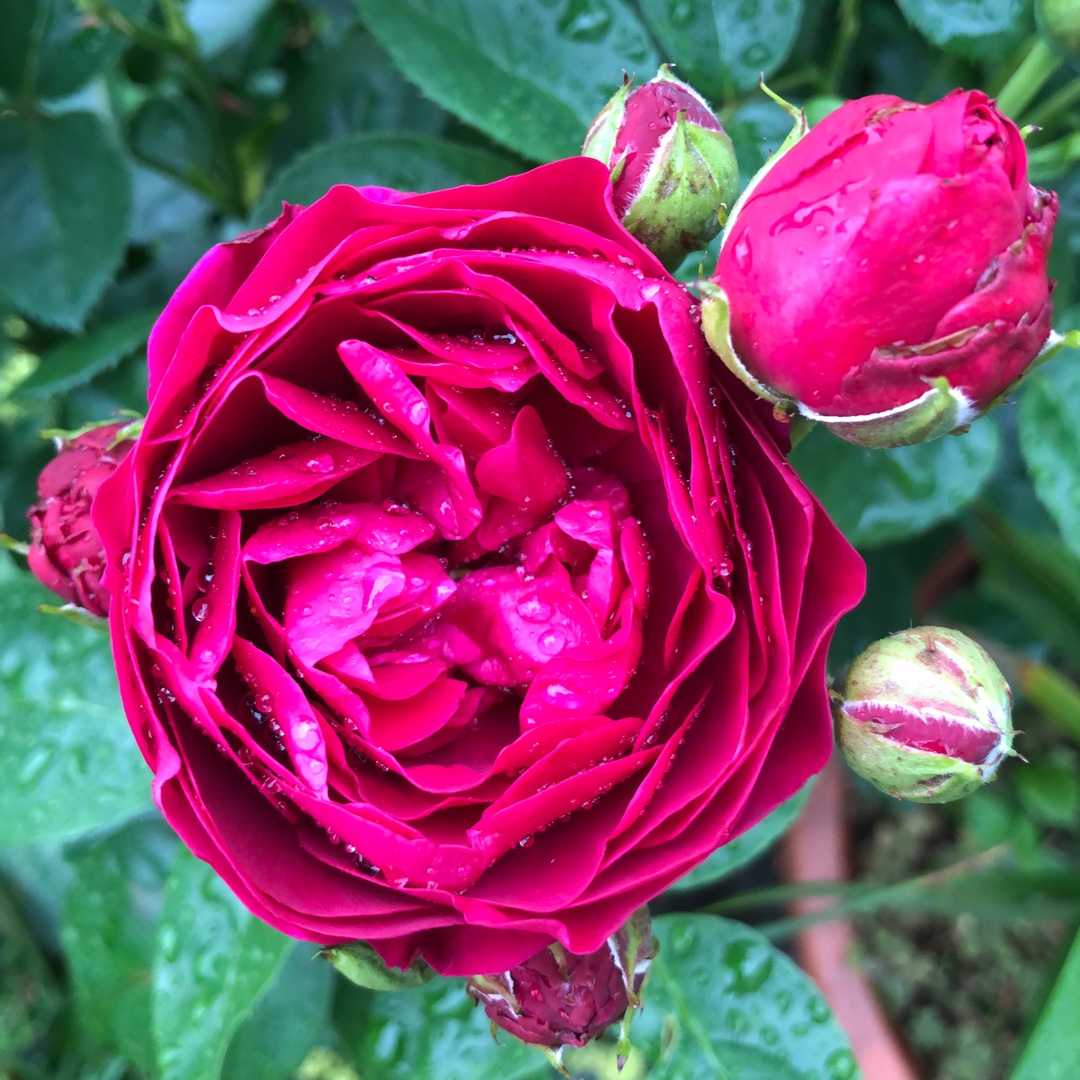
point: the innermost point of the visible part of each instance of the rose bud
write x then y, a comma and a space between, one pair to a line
673, 168
455, 607
887, 275
1059, 22
556, 998
65, 550
925, 715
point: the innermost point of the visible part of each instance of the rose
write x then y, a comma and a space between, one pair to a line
65, 551
925, 714
895, 246
558, 999
458, 610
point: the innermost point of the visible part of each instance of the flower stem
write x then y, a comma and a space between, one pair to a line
1028, 79
1055, 105
845, 38
1046, 162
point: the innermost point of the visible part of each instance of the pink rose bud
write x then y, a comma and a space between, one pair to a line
925, 715
556, 998
673, 168
1059, 21
65, 550
887, 275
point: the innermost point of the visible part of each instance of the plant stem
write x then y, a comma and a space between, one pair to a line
180, 42
1055, 105
845, 38
1046, 162
1028, 79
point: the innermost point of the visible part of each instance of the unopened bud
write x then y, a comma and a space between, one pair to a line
673, 168
925, 715
557, 998
65, 554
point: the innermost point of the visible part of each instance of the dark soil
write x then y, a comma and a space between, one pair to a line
962, 989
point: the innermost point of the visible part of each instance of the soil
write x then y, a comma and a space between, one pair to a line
962, 990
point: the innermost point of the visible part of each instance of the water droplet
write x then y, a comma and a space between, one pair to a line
841, 1065
749, 965
585, 20
681, 13
200, 609
818, 1010
683, 940
534, 609
744, 257
552, 641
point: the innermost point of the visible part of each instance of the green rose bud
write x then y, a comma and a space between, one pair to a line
673, 169
925, 715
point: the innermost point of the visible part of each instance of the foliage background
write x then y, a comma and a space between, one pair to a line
133, 135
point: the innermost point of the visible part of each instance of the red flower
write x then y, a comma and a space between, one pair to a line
459, 611
893, 245
65, 550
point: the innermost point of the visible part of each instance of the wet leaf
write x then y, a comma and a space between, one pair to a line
214, 961
880, 495
531, 75
68, 762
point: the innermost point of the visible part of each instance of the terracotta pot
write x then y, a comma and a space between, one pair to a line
816, 849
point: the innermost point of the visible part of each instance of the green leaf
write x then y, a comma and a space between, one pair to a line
436, 1030
724, 46
79, 359
50, 48
880, 495
722, 1003
1050, 441
531, 75
1050, 791
214, 961
65, 207
272, 1042
350, 85
1054, 1047
406, 162
1035, 576
110, 923
68, 763
172, 134
963, 26
744, 849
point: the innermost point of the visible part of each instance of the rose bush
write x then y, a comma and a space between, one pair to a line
894, 245
456, 608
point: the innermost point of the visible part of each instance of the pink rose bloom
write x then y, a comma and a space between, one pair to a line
457, 608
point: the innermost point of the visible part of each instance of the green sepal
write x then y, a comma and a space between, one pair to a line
716, 324
798, 131
361, 964
79, 616
937, 412
131, 430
